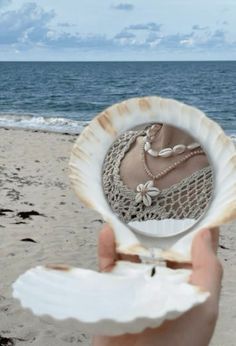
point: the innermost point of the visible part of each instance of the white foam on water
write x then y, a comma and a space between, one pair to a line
232, 135
55, 124
50, 124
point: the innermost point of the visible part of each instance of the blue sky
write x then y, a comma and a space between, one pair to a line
83, 30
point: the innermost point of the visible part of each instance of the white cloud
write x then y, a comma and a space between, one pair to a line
205, 38
200, 38
28, 24
140, 35
147, 26
5, 3
188, 42
31, 26
124, 34
123, 7
198, 27
154, 39
66, 25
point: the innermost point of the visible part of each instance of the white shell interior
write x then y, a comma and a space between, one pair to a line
127, 300
86, 169
161, 228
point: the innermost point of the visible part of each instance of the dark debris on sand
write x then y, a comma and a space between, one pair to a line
6, 341
97, 220
27, 214
29, 240
4, 211
22, 214
224, 247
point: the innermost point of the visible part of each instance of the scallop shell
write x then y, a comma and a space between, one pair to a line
157, 228
86, 168
97, 300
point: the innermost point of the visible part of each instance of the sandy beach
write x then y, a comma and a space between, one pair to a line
42, 221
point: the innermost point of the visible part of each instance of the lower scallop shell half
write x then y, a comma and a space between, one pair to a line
128, 300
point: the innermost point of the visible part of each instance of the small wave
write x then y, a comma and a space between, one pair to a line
49, 124
56, 124
233, 137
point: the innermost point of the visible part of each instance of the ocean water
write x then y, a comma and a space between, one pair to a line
65, 96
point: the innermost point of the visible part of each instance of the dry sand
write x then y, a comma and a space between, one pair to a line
33, 178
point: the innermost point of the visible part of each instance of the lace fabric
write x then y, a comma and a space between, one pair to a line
188, 198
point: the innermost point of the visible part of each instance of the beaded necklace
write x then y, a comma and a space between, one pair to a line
146, 191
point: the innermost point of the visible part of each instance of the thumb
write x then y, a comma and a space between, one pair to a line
207, 270
202, 249
106, 249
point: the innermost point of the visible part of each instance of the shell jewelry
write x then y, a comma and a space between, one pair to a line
165, 152
147, 191
171, 167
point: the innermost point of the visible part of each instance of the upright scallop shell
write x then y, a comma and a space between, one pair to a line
132, 296
92, 145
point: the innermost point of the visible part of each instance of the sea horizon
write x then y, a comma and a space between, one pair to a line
120, 61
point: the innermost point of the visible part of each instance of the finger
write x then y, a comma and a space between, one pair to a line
207, 270
106, 249
215, 238
215, 244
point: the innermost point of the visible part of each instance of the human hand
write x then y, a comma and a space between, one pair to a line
196, 326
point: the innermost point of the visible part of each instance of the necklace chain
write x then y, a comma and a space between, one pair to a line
165, 152
171, 167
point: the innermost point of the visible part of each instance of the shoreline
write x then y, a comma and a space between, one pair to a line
45, 123
44, 131
36, 130
40, 205
231, 133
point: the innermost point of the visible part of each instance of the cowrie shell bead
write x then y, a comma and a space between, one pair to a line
153, 153
193, 146
179, 149
167, 152
150, 133
147, 146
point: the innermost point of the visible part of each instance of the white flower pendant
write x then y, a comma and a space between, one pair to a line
146, 192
